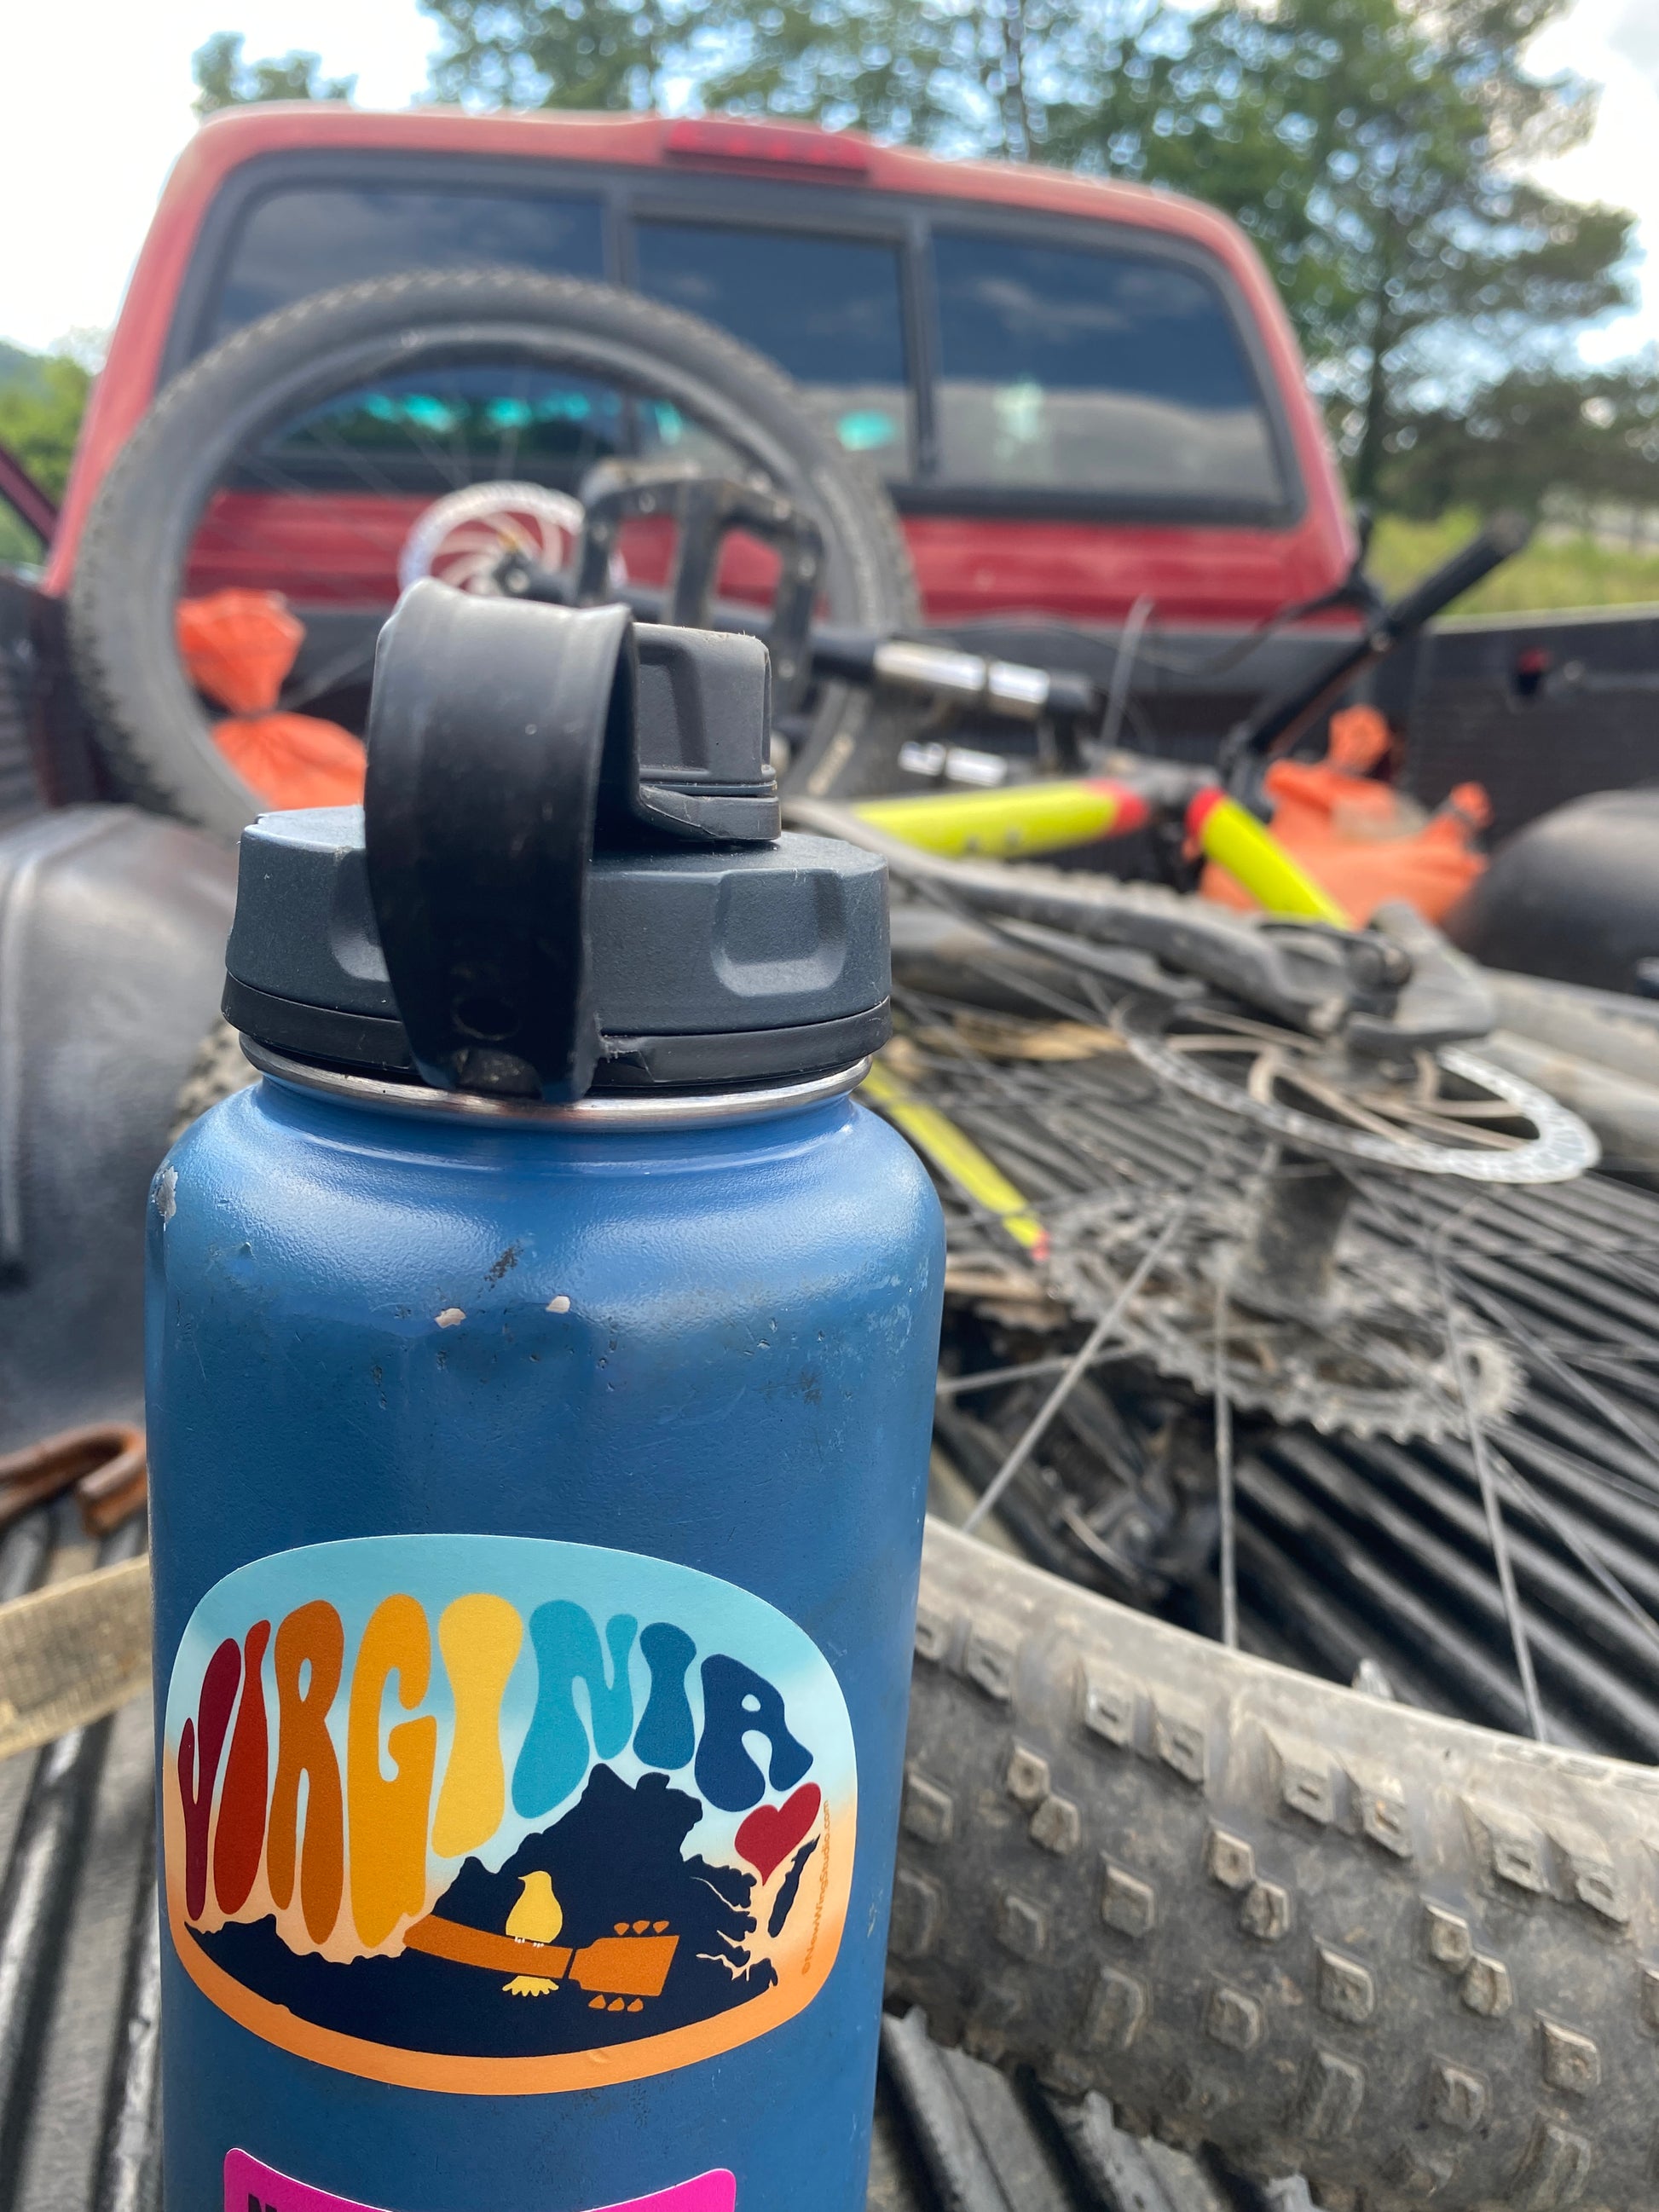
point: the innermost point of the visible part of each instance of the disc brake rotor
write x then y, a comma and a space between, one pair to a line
462, 538
1375, 1357
1444, 1113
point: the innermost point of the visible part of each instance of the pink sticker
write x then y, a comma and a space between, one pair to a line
252, 2187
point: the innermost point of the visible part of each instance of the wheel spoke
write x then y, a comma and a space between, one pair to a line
1238, 1046
1338, 1103
1241, 1025
1430, 1097
1447, 1125
1492, 1505
1265, 1073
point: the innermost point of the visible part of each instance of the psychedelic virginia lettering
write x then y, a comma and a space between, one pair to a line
497, 1816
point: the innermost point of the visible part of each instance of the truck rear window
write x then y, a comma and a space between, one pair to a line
291, 243
1059, 369
828, 310
1092, 371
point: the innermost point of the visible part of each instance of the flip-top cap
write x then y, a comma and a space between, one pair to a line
568, 873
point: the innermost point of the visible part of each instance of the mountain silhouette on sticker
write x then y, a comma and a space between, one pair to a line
650, 1941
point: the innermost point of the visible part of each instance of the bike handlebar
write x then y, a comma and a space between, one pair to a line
1504, 537
1281, 721
865, 656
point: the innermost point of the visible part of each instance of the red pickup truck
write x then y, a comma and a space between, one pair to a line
1084, 397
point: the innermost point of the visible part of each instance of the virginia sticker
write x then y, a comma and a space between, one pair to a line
498, 1815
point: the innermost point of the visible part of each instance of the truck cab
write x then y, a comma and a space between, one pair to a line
1084, 397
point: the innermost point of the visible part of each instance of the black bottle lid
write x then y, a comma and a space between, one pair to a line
568, 873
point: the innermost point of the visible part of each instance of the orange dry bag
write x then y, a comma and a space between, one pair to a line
237, 647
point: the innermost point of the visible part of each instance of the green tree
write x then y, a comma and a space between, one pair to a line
1022, 81
1373, 151
1000, 79
223, 79
1530, 433
42, 397
561, 53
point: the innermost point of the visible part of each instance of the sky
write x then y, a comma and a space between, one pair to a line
1615, 42
80, 170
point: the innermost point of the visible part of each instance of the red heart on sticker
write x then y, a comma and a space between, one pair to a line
772, 1831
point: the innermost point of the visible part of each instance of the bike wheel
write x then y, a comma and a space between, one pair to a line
300, 452
1406, 1956
1365, 1941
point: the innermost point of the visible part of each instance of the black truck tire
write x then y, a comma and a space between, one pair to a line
131, 558
1412, 1959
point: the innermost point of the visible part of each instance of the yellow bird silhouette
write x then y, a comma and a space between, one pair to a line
536, 1918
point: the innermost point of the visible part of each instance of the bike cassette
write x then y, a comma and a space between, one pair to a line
1370, 1353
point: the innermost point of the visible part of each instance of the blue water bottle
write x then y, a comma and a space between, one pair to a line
541, 1363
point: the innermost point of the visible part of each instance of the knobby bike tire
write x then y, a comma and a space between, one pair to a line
1416, 1960
153, 729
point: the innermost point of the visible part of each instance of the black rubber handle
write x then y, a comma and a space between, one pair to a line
497, 732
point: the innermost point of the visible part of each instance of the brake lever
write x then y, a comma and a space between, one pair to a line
1443, 1000
1378, 970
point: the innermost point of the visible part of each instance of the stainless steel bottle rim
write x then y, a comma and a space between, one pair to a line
645, 1110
